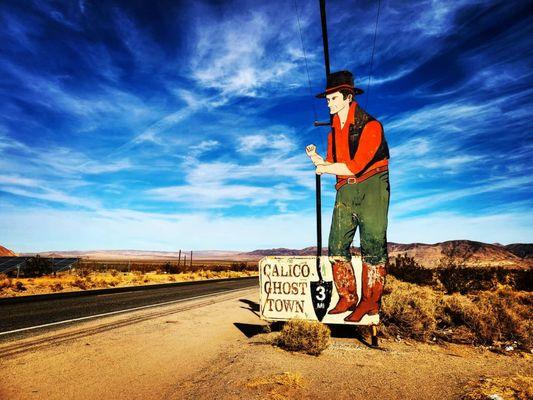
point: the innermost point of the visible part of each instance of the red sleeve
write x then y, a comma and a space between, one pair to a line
329, 154
368, 145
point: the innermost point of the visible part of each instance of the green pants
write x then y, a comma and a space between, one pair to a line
364, 205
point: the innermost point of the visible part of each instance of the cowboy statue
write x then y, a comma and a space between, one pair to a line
358, 155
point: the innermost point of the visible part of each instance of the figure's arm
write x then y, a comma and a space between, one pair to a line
310, 150
334, 169
326, 166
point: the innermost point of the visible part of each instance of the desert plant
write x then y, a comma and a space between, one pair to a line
56, 287
83, 272
37, 266
410, 310
407, 269
80, 283
311, 337
493, 316
5, 281
517, 387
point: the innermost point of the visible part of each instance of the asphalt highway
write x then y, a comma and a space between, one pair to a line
36, 313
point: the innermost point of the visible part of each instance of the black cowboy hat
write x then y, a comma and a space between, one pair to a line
340, 80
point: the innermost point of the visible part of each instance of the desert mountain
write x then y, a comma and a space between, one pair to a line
522, 250
6, 252
139, 254
460, 252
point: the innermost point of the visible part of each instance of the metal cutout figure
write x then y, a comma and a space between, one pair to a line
358, 155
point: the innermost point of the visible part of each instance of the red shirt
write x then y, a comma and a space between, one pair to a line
368, 144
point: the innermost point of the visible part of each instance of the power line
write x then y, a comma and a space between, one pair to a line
320, 137
372, 58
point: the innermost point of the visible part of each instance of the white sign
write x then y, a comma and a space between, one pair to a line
291, 288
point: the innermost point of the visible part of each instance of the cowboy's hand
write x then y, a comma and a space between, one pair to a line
320, 169
311, 150
315, 157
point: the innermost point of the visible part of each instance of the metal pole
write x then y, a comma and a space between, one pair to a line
324, 34
191, 259
317, 177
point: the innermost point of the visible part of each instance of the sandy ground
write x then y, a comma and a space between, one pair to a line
214, 350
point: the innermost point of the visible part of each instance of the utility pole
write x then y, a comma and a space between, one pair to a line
179, 259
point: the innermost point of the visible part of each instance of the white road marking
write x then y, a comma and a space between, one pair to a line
117, 312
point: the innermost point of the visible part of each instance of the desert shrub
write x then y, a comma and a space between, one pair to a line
466, 279
407, 269
493, 316
513, 388
410, 310
37, 266
5, 281
113, 272
238, 266
56, 287
83, 272
19, 286
171, 278
490, 317
311, 337
79, 283
170, 268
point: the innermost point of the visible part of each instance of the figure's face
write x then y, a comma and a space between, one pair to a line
336, 102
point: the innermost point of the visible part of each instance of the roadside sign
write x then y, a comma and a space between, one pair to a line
285, 290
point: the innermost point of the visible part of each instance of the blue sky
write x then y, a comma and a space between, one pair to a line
159, 125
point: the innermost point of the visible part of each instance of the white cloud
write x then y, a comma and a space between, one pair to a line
120, 229
266, 142
42, 192
418, 201
126, 229
411, 148
216, 194
203, 147
248, 53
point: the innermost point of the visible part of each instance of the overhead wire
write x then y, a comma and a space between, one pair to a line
372, 57
321, 137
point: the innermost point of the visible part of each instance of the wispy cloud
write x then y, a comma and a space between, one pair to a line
253, 52
418, 201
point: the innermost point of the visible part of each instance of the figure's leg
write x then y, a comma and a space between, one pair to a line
373, 221
343, 227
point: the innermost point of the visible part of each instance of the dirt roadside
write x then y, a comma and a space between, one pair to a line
216, 352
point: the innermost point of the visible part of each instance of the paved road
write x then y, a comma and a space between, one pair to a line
23, 315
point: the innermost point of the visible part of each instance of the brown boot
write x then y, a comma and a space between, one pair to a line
344, 279
373, 281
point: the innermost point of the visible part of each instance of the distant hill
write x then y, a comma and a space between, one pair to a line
6, 252
465, 252
523, 250
138, 254
461, 252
